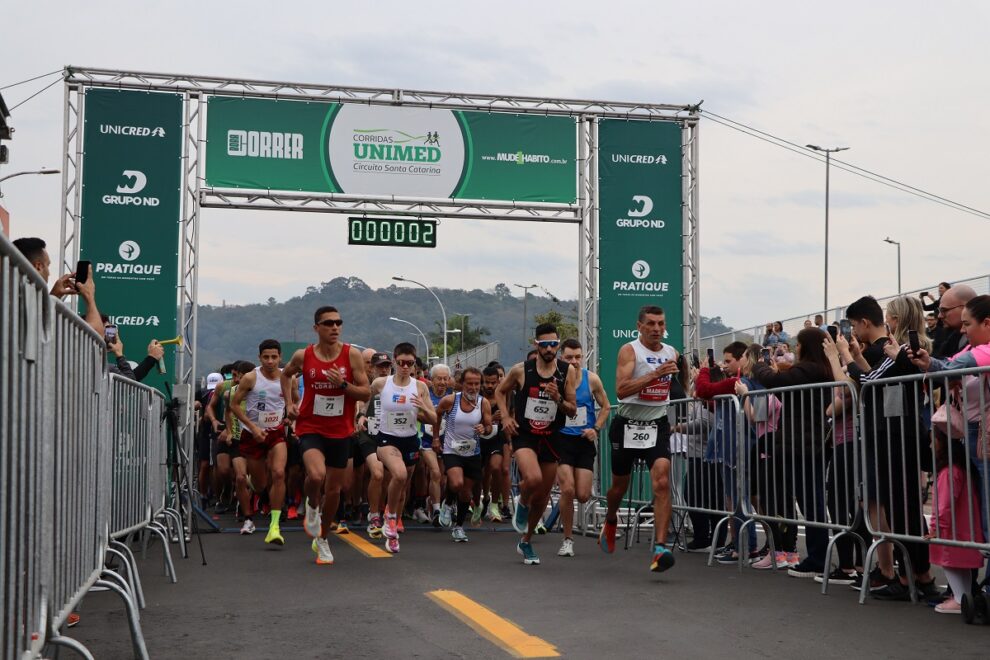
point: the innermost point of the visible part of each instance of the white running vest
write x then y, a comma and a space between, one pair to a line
396, 413
264, 403
651, 402
460, 438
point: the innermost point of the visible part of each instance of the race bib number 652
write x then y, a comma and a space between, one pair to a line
540, 410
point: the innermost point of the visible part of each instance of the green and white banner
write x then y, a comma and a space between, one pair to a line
130, 215
384, 151
640, 223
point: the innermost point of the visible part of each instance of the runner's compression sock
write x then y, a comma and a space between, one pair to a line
276, 516
463, 508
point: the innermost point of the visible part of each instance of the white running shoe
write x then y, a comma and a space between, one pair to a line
419, 515
248, 527
566, 548
321, 547
392, 545
313, 521
446, 515
458, 535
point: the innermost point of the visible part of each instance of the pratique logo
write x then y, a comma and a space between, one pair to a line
640, 269
129, 250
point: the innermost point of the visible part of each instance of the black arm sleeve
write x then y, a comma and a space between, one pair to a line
143, 369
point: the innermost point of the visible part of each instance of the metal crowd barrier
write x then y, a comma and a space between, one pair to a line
903, 438
25, 455
77, 474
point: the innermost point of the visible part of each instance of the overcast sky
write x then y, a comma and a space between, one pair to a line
904, 84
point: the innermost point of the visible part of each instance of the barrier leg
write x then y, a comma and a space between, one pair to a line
156, 528
715, 532
828, 559
131, 574
72, 644
867, 567
173, 515
118, 579
132, 569
909, 569
137, 637
770, 544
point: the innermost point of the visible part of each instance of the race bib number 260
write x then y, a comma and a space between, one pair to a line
639, 436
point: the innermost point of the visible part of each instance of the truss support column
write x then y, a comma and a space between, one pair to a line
691, 254
72, 129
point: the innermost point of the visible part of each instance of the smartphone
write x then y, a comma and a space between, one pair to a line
833, 332
914, 341
695, 360
110, 333
846, 328
765, 356
711, 358
82, 271
887, 327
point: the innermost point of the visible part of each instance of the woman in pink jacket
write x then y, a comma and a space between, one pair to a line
957, 518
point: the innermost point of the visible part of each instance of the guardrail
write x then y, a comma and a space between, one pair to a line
82, 467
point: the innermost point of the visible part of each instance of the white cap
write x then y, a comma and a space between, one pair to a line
213, 380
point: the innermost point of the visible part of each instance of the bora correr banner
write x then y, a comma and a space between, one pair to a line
130, 213
383, 150
640, 222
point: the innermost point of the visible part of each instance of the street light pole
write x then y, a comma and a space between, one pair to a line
425, 340
525, 300
443, 312
828, 166
898, 244
41, 171
463, 316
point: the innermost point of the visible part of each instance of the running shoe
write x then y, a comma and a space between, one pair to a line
321, 547
476, 512
446, 515
493, 513
248, 526
566, 548
274, 535
505, 511
895, 590
837, 576
520, 519
875, 577
949, 606
292, 513
391, 528
540, 528
375, 527
72, 620
530, 558
765, 562
341, 528
458, 535
606, 538
804, 569
663, 559
392, 545
312, 521
419, 515
399, 527
699, 546
435, 517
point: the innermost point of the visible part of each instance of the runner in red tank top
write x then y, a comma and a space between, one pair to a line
334, 380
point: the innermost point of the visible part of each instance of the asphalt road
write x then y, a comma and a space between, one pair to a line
253, 601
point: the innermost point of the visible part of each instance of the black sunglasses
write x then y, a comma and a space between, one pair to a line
329, 323
547, 343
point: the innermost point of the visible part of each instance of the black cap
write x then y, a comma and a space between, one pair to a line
380, 358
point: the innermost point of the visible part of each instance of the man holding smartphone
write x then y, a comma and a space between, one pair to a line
79, 283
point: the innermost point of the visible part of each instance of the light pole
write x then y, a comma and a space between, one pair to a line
41, 171
828, 166
898, 244
443, 312
425, 341
525, 300
463, 316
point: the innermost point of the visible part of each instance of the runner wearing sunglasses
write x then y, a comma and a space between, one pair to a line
404, 402
334, 380
544, 394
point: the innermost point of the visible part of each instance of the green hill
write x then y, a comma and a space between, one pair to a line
230, 332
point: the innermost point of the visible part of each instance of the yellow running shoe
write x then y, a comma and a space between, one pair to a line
274, 536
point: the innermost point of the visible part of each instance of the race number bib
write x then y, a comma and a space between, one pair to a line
269, 420
465, 447
328, 406
540, 410
373, 426
639, 436
400, 421
580, 420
